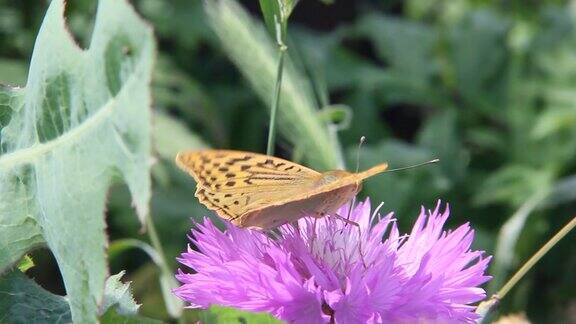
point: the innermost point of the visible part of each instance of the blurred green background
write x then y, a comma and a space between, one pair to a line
489, 87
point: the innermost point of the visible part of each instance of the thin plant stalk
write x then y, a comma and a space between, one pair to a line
536, 257
163, 264
155, 240
276, 100
489, 304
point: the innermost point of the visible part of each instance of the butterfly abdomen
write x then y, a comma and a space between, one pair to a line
336, 198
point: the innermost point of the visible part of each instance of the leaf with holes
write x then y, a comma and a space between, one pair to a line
81, 121
23, 301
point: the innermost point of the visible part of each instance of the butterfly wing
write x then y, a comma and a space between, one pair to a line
319, 202
235, 182
332, 181
332, 190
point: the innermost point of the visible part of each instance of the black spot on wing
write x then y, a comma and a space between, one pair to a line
242, 159
202, 178
237, 160
273, 178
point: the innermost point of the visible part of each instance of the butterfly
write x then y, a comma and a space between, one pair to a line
262, 192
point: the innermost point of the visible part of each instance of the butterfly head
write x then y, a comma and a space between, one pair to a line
338, 178
331, 176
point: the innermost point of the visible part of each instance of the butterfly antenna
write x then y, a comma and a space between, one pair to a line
362, 140
384, 168
414, 166
353, 201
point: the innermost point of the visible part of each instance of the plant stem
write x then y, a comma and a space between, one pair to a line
163, 264
151, 229
486, 306
276, 100
536, 257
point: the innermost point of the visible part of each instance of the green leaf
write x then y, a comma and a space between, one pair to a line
563, 191
477, 50
339, 115
287, 7
406, 46
23, 301
174, 305
440, 135
117, 295
276, 13
554, 120
26, 263
512, 184
508, 238
19, 232
81, 121
113, 317
218, 314
247, 45
13, 72
272, 16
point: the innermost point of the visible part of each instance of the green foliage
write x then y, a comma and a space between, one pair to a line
252, 51
117, 295
23, 301
487, 87
276, 13
166, 280
218, 314
25, 263
112, 317
82, 120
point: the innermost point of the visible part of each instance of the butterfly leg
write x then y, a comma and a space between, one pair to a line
347, 221
352, 202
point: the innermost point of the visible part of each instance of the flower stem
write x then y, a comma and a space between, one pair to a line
164, 268
486, 306
536, 257
276, 100
151, 229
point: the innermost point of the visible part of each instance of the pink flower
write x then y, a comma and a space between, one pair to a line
326, 270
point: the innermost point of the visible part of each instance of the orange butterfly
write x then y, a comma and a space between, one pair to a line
260, 191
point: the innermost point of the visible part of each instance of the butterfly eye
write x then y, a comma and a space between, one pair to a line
329, 177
